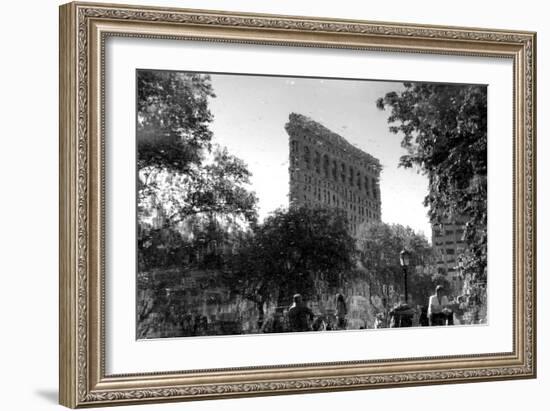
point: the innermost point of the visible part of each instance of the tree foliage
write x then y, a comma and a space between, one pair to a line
218, 188
189, 190
172, 119
444, 129
379, 247
380, 244
292, 248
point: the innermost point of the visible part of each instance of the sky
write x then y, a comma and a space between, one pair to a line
250, 113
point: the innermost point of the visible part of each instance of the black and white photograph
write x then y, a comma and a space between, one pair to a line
275, 205
278, 204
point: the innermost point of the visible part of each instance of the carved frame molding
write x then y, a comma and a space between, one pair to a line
83, 30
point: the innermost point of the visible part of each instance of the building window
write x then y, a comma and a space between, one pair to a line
317, 161
351, 176
373, 186
293, 153
307, 157
334, 170
450, 251
343, 173
358, 181
326, 163
367, 186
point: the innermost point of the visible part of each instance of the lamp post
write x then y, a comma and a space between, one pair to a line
404, 257
403, 313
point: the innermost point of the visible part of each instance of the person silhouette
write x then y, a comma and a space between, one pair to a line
299, 315
341, 311
438, 307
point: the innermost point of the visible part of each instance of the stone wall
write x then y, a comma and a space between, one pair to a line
193, 303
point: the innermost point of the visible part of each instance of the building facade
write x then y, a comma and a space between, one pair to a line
325, 170
448, 244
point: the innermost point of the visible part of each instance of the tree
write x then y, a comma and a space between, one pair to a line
379, 246
180, 173
191, 193
199, 213
172, 119
444, 129
292, 248
160, 247
218, 188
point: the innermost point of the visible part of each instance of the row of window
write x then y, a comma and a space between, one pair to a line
339, 173
294, 149
438, 233
357, 213
451, 251
325, 196
313, 185
439, 243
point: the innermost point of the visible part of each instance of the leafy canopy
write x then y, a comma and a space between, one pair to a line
444, 129
379, 247
172, 119
293, 247
181, 173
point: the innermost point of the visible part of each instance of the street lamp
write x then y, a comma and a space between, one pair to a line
404, 257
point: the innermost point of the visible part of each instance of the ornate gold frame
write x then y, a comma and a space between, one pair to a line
83, 30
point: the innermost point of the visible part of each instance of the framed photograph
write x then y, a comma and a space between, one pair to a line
260, 204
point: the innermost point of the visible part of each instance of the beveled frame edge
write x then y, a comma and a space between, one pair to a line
83, 28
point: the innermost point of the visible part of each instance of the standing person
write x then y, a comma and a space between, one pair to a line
437, 307
459, 309
423, 320
341, 312
299, 315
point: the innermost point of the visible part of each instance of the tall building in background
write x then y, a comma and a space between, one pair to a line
326, 170
448, 244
